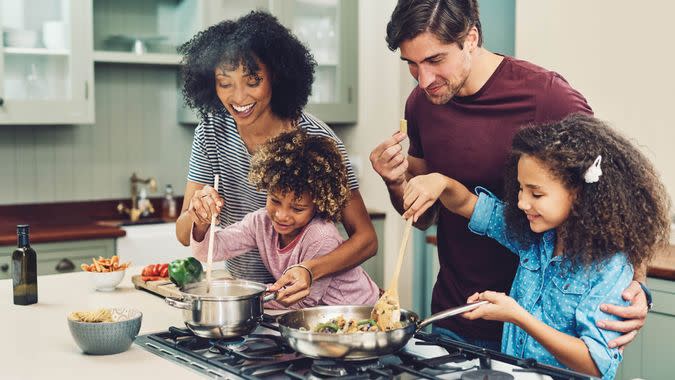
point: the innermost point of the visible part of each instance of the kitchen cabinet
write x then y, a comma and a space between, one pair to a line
329, 28
46, 70
51, 256
151, 244
375, 265
650, 355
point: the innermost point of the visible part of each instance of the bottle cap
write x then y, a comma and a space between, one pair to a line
23, 229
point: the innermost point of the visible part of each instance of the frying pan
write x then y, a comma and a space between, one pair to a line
296, 329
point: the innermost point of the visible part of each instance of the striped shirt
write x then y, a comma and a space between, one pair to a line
217, 148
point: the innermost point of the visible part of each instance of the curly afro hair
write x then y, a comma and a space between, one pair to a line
231, 43
627, 210
301, 163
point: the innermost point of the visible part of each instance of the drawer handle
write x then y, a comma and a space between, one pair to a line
4, 267
64, 265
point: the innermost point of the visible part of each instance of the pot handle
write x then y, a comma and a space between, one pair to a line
178, 303
450, 312
270, 297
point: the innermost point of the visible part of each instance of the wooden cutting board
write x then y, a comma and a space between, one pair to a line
165, 288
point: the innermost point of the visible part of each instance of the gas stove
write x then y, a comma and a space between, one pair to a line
263, 355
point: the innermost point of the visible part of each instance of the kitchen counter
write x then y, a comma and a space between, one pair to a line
662, 266
37, 343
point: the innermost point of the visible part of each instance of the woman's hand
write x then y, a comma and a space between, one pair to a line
292, 286
501, 307
204, 203
422, 192
633, 316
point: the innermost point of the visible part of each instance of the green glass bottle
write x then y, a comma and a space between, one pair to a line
24, 268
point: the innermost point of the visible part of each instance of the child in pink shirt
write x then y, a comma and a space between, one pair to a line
306, 185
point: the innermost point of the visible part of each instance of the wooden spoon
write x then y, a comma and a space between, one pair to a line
209, 257
387, 310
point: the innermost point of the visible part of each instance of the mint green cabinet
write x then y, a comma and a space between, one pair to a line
56, 257
650, 356
46, 69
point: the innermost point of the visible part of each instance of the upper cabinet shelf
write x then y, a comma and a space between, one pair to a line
139, 59
46, 69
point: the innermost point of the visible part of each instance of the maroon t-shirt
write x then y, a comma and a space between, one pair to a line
469, 139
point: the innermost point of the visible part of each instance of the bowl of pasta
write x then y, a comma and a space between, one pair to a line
105, 274
105, 331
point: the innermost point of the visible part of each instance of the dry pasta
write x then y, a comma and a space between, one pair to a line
100, 315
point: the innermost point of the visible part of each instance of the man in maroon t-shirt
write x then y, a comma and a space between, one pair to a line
461, 119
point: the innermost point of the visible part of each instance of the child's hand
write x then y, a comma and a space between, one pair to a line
420, 193
501, 307
292, 286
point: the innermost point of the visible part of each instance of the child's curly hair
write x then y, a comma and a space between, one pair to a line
301, 163
627, 210
255, 36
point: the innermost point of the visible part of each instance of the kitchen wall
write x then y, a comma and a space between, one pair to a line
616, 53
135, 130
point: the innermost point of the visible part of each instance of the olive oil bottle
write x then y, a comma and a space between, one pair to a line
24, 268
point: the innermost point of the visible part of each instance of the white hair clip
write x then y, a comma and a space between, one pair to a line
594, 172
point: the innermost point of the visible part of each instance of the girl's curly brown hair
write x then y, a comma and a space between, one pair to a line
627, 210
301, 163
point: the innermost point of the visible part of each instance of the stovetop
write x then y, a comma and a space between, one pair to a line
263, 355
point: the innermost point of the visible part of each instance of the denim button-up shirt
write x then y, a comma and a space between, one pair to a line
563, 296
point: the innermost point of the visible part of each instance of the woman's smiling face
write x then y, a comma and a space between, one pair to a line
245, 95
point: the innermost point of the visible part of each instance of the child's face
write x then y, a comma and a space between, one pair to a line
289, 214
543, 198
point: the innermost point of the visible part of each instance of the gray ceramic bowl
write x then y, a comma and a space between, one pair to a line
106, 338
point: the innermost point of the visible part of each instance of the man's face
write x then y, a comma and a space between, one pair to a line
440, 69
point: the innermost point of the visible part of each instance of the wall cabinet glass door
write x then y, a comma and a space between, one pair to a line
46, 71
329, 29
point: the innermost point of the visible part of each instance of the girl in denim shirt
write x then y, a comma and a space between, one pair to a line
582, 208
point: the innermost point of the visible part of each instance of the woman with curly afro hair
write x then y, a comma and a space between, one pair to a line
583, 207
249, 79
306, 184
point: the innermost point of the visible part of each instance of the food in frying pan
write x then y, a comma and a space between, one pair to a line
341, 325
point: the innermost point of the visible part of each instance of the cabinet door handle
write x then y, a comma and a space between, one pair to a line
64, 265
4, 267
2, 101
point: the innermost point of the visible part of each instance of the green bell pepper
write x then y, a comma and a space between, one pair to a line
185, 271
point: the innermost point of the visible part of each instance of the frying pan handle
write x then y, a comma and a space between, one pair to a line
450, 312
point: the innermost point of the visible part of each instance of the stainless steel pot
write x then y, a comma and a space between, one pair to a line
355, 346
231, 308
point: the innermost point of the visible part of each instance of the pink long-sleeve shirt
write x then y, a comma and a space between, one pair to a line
318, 238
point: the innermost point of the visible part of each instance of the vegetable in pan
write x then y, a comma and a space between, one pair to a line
340, 325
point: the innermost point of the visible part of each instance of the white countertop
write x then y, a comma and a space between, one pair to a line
36, 341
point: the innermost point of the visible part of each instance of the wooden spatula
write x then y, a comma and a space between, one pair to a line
387, 310
209, 257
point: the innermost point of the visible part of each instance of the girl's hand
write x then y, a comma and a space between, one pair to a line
292, 286
501, 307
420, 193
204, 203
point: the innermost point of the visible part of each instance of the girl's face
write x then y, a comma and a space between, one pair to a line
246, 96
544, 199
289, 213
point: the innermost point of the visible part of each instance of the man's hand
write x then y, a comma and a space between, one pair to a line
501, 307
420, 193
634, 315
292, 286
388, 160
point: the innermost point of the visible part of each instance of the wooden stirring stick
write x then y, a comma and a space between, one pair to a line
209, 259
387, 309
